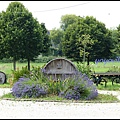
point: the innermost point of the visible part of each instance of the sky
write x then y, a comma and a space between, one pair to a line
50, 12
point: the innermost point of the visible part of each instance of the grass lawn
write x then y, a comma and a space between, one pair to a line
102, 67
99, 67
109, 86
8, 67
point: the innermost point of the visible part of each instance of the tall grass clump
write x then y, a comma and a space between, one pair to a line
16, 74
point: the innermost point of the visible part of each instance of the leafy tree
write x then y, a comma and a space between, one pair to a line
73, 43
85, 40
46, 40
2, 35
102, 48
67, 20
56, 36
22, 34
116, 39
114, 33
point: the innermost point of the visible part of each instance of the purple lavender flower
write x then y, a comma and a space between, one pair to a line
21, 90
82, 88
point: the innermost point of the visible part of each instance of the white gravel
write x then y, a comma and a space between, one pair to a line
57, 110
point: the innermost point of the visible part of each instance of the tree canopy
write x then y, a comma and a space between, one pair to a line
73, 43
67, 20
56, 36
22, 35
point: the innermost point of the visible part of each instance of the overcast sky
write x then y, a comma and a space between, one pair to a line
50, 12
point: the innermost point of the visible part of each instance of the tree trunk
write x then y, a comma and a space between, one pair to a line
28, 64
14, 64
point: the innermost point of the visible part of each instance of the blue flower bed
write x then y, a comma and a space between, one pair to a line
21, 90
81, 87
78, 88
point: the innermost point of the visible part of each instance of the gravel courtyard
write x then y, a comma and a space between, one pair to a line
58, 110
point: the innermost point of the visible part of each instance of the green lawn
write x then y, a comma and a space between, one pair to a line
109, 86
8, 67
101, 67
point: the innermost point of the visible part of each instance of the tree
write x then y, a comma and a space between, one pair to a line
2, 35
67, 20
22, 34
85, 40
74, 40
56, 36
46, 40
102, 48
101, 39
116, 39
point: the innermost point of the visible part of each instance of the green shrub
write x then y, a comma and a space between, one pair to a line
6, 60
16, 74
22, 60
54, 86
84, 68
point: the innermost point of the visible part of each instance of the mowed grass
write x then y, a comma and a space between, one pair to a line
8, 67
102, 67
109, 86
99, 67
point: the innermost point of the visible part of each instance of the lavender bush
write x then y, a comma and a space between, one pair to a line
22, 89
37, 84
78, 88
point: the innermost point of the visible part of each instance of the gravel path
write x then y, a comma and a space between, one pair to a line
58, 110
